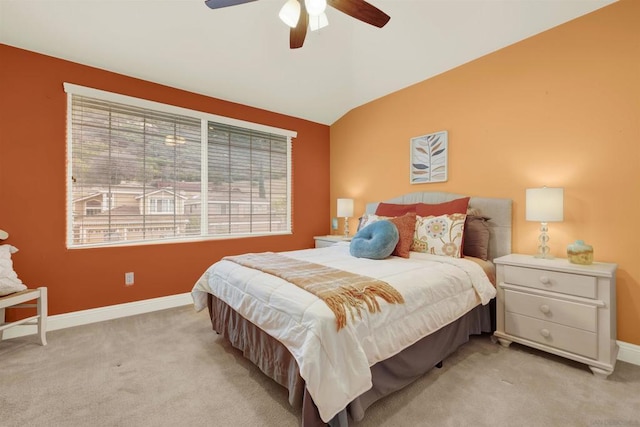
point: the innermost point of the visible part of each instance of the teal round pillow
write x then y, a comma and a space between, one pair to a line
375, 241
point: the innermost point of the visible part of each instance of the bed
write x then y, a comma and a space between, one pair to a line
335, 375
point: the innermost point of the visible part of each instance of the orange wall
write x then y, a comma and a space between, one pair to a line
32, 189
558, 109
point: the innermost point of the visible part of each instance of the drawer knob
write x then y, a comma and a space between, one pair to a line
545, 333
545, 308
545, 280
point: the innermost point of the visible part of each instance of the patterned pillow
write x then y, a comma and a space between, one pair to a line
439, 235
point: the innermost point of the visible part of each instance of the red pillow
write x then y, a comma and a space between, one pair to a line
406, 225
454, 206
391, 209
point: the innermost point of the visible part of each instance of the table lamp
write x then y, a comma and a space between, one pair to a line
345, 209
544, 205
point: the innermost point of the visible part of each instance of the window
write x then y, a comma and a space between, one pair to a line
140, 171
93, 207
160, 206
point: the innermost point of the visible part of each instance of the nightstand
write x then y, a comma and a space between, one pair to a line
558, 307
324, 241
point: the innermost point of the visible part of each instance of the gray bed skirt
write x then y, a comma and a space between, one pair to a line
388, 376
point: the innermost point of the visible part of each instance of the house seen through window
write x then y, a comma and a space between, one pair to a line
146, 172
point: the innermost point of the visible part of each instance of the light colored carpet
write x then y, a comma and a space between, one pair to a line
169, 368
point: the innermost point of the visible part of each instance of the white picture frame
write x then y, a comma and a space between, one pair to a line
429, 158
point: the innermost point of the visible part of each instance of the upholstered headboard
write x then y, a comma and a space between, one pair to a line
499, 210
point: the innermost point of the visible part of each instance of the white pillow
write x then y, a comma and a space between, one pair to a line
368, 219
9, 282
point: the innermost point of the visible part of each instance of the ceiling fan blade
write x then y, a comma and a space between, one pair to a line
217, 4
361, 10
298, 34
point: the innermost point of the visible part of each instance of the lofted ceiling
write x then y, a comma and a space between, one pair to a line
241, 53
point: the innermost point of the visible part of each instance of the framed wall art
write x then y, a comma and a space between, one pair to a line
429, 158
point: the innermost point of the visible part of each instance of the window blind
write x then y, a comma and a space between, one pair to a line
144, 175
248, 181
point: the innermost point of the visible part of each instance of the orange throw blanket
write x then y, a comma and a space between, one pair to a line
337, 288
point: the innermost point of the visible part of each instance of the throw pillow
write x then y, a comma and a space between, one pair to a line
406, 225
476, 237
368, 219
452, 207
392, 209
9, 282
440, 235
375, 241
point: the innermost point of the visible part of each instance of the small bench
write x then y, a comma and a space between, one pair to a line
17, 300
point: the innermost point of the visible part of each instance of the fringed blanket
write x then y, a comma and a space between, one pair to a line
337, 288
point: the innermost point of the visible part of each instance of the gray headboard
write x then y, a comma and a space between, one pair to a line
499, 210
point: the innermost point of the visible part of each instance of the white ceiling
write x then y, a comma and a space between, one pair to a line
242, 54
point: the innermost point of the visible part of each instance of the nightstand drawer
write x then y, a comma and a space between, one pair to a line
324, 243
562, 337
566, 283
330, 240
565, 313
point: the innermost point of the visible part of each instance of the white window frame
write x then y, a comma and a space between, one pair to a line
161, 206
73, 89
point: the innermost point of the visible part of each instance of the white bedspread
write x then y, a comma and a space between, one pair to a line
335, 365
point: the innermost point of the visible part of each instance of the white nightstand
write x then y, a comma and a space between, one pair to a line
324, 241
562, 308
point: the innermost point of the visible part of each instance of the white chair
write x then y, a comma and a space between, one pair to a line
17, 300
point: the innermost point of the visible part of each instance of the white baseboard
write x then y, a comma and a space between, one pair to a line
629, 353
84, 317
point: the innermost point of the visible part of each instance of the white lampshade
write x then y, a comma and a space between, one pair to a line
545, 204
317, 22
315, 7
345, 207
3, 234
290, 13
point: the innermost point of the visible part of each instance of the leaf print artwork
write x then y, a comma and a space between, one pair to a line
429, 158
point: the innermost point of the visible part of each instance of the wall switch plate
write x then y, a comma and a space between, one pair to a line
128, 278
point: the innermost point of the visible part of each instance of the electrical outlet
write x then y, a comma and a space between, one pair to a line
128, 278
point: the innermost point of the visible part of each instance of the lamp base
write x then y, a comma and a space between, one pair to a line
543, 249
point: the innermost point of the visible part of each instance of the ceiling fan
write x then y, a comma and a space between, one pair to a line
300, 14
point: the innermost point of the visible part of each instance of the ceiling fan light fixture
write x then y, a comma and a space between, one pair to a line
290, 13
315, 7
317, 22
